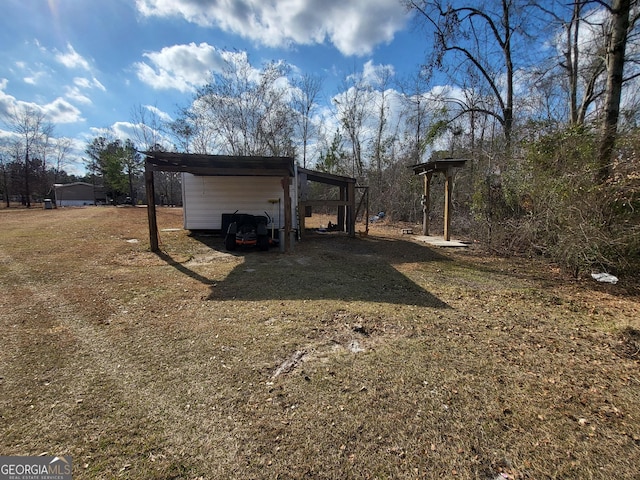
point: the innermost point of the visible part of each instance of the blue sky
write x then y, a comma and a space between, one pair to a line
88, 64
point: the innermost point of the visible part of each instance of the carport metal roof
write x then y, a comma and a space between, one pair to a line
199, 164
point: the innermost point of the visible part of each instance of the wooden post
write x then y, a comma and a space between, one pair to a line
366, 215
151, 209
351, 209
448, 184
364, 198
425, 203
301, 219
341, 211
287, 214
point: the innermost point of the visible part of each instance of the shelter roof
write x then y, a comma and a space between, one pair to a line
327, 178
199, 164
75, 184
439, 165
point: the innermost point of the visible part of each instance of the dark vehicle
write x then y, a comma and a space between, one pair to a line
246, 229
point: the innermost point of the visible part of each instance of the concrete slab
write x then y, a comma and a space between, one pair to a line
439, 241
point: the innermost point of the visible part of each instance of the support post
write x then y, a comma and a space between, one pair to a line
351, 209
287, 214
448, 185
425, 203
151, 209
341, 210
364, 199
301, 219
366, 214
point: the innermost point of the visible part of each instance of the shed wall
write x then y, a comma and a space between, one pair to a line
79, 194
75, 203
206, 198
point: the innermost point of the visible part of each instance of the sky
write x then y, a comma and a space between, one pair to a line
88, 65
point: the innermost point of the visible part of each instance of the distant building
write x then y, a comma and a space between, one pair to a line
78, 194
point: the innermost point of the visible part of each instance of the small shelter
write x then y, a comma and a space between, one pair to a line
78, 194
345, 203
214, 185
217, 185
447, 166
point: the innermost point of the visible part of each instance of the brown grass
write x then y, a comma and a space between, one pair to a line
398, 360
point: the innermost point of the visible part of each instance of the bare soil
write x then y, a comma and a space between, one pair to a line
373, 357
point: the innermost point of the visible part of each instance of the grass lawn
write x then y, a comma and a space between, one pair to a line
374, 357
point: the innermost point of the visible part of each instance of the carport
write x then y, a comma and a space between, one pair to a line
218, 165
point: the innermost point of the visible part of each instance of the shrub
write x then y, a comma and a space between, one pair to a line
549, 203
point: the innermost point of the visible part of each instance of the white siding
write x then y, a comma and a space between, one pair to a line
206, 198
75, 203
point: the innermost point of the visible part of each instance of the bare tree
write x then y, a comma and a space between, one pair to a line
182, 131
305, 96
243, 111
32, 133
61, 148
578, 72
148, 127
353, 112
482, 40
417, 110
383, 82
195, 130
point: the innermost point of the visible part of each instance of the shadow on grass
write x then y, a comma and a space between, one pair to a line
183, 269
329, 267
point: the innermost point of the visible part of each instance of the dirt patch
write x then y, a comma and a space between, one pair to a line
629, 343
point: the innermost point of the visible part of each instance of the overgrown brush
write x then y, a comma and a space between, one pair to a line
548, 202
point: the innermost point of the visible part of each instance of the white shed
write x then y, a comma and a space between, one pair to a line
207, 198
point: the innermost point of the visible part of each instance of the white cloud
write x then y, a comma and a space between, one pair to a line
98, 132
163, 116
180, 67
61, 111
373, 74
35, 78
74, 94
32, 76
123, 130
8, 102
83, 82
72, 59
354, 27
58, 111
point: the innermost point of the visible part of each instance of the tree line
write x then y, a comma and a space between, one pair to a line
32, 158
